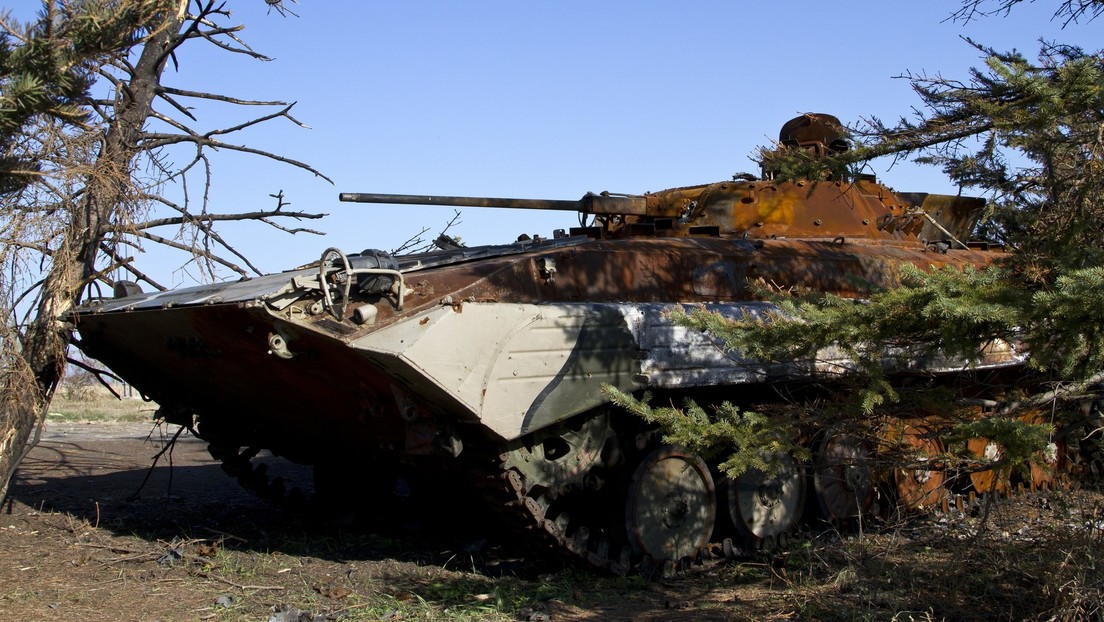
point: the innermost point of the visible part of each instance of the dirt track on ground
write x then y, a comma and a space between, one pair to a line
81, 537
79, 540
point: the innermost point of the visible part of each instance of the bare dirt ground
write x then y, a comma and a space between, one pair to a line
78, 543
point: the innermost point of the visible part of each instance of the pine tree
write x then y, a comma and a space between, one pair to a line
1030, 135
81, 176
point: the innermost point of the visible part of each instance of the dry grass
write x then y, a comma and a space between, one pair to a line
1037, 558
914, 571
74, 543
98, 406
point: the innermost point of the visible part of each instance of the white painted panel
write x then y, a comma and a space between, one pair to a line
518, 367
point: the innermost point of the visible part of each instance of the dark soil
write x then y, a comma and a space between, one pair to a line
81, 538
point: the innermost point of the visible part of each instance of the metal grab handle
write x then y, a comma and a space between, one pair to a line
327, 300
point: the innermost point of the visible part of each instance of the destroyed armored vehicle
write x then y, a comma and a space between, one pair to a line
481, 369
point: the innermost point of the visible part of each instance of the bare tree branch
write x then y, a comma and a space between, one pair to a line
98, 374
34, 287
282, 113
416, 243
205, 219
1065, 391
221, 98
127, 264
291, 230
164, 140
191, 249
181, 108
1070, 11
279, 7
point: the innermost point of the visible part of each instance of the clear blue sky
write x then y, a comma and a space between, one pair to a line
554, 99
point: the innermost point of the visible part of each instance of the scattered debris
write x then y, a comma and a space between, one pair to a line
171, 556
531, 615
287, 613
225, 601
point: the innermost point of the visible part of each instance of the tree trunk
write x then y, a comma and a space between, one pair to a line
38, 365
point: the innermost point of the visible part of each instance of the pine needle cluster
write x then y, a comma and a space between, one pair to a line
48, 68
743, 439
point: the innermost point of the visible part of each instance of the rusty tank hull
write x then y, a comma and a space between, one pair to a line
489, 362
489, 341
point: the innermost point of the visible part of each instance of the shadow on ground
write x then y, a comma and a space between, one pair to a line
112, 483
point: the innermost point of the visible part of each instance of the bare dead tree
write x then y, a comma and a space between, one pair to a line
98, 185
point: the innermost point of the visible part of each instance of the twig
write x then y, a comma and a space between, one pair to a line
133, 558
206, 575
97, 373
126, 265
1072, 389
108, 547
156, 458
221, 98
226, 535
209, 218
192, 249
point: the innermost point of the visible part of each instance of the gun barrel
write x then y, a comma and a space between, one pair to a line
590, 203
421, 199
